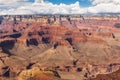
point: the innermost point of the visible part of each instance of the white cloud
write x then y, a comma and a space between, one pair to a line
8, 2
101, 6
39, 6
95, 2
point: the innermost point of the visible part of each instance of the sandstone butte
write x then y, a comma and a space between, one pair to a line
55, 48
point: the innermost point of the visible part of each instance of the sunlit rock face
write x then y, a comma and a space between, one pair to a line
74, 45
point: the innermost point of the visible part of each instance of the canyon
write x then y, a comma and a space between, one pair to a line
59, 47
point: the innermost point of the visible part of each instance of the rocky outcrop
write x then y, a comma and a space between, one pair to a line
38, 74
113, 76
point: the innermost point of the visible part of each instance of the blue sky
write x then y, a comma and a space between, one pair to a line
83, 3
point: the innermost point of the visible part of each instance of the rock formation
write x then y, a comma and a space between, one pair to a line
70, 45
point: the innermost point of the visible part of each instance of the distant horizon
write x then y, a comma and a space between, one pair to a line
61, 14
